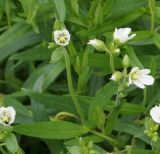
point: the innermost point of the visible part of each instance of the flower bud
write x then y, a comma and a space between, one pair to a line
112, 46
97, 44
116, 76
125, 61
116, 51
151, 129
155, 138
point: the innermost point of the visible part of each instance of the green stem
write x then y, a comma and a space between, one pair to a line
71, 89
144, 97
105, 137
151, 6
121, 88
112, 63
116, 109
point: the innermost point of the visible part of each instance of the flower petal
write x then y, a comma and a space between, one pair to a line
145, 71
56, 33
139, 84
129, 81
126, 30
146, 79
12, 112
115, 34
134, 69
155, 114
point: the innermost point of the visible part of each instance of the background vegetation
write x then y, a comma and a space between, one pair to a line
38, 89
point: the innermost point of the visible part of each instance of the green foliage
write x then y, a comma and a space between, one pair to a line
64, 99
61, 129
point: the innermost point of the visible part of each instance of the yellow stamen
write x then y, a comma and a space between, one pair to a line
134, 76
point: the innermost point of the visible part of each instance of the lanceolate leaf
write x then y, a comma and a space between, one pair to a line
51, 130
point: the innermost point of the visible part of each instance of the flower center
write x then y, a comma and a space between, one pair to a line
5, 118
62, 38
134, 76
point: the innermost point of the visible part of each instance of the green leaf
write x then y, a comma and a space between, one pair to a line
108, 5
108, 26
138, 150
59, 103
129, 6
99, 117
33, 54
60, 9
102, 96
98, 14
11, 143
50, 73
57, 55
51, 130
126, 109
17, 37
132, 129
20, 109
142, 38
74, 149
156, 38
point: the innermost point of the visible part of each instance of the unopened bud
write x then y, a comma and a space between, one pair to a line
126, 61
112, 46
116, 51
116, 76
97, 44
155, 137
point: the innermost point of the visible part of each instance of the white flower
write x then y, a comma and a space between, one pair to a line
155, 114
122, 35
140, 77
98, 44
7, 115
62, 37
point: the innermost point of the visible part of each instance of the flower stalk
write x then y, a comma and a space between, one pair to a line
144, 97
118, 103
71, 89
112, 63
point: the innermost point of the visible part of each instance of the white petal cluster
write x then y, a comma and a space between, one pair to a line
7, 115
122, 35
62, 37
140, 77
155, 114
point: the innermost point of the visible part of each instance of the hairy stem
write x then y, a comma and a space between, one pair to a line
71, 89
